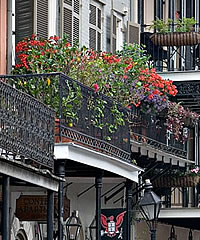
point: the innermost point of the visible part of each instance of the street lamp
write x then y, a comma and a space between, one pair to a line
150, 205
73, 226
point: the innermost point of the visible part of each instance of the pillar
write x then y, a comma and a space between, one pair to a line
128, 207
98, 186
5, 207
50, 214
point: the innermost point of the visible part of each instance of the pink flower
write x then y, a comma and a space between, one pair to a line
96, 87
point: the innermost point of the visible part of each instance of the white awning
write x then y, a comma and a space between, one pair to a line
99, 160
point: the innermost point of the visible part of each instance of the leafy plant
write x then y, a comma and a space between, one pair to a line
179, 25
161, 26
185, 24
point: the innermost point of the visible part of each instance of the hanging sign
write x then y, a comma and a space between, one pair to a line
34, 208
113, 224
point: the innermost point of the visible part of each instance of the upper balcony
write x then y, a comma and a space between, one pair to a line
26, 129
175, 47
84, 117
172, 52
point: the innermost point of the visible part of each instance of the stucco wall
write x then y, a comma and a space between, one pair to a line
3, 35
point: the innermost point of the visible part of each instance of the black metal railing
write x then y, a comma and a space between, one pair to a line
152, 130
172, 58
82, 115
26, 127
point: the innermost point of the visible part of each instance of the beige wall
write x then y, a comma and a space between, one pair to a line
163, 232
3, 35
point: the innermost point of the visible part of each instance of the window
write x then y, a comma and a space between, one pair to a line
71, 20
95, 26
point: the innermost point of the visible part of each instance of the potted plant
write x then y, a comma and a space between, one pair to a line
178, 178
179, 32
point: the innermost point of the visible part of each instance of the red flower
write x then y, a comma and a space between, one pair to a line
96, 87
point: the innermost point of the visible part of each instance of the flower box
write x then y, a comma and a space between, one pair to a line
176, 181
176, 38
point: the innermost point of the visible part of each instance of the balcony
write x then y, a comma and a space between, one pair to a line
83, 117
26, 128
166, 58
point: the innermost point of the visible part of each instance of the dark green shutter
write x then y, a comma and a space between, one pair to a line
23, 19
42, 18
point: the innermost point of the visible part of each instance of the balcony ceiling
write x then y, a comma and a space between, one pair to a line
188, 85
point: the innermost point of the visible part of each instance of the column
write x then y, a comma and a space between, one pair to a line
5, 207
60, 173
50, 214
98, 186
128, 207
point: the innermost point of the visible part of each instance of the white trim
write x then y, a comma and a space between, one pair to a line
181, 76
89, 157
28, 176
180, 213
52, 17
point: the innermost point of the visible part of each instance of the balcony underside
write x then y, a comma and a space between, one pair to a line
147, 152
25, 174
85, 162
182, 217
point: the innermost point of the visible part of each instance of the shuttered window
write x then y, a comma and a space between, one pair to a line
23, 19
42, 18
71, 20
95, 26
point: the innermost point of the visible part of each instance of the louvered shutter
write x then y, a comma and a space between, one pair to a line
133, 33
113, 33
95, 33
23, 19
71, 20
42, 18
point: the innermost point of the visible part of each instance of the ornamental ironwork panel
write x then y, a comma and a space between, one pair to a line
26, 127
152, 130
88, 118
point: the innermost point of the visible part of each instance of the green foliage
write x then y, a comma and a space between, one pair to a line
179, 25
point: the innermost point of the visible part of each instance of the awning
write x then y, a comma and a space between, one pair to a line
99, 160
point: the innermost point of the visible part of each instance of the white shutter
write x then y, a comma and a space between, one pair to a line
71, 20
133, 33
42, 9
95, 26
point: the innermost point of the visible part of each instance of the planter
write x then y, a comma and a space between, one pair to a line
176, 181
176, 39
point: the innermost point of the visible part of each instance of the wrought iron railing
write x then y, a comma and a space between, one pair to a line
83, 116
152, 130
171, 57
26, 127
